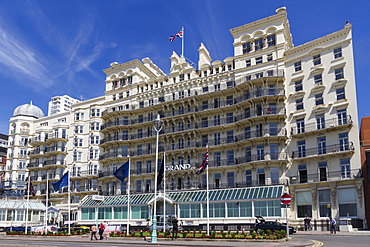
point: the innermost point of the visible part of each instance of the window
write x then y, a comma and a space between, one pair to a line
79, 116
248, 177
247, 47
301, 149
316, 59
216, 102
340, 93
230, 158
322, 171
318, 79
347, 202
205, 89
217, 87
217, 180
259, 130
230, 84
230, 100
181, 77
345, 168
216, 120
304, 204
297, 66
342, 117
260, 152
319, 100
95, 112
258, 44
79, 129
274, 172
217, 158
320, 122
339, 74
230, 136
258, 60
321, 145
229, 118
337, 52
274, 153
269, 57
299, 104
217, 140
261, 176
273, 129
248, 154
230, 179
298, 85
247, 132
248, 63
343, 142
271, 40
205, 105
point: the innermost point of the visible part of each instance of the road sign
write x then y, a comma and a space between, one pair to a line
286, 199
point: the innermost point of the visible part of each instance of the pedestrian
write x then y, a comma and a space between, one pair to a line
175, 228
333, 224
101, 231
307, 224
93, 232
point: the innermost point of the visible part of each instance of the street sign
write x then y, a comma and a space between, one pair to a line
286, 199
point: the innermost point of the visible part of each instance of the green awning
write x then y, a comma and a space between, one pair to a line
251, 193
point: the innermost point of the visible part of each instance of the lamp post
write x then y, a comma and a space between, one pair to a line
158, 128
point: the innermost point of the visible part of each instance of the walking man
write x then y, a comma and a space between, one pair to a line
307, 224
175, 228
333, 224
101, 230
93, 232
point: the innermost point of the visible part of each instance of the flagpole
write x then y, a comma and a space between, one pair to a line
128, 196
28, 201
207, 198
47, 202
164, 192
69, 203
182, 43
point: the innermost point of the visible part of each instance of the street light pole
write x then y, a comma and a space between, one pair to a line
158, 128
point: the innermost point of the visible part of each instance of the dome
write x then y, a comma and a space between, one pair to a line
28, 110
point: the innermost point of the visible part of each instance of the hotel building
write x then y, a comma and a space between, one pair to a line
276, 117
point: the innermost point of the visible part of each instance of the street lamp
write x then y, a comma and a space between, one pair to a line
158, 127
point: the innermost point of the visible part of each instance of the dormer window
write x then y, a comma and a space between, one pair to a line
247, 47
182, 77
114, 84
316, 59
271, 40
129, 80
205, 73
258, 44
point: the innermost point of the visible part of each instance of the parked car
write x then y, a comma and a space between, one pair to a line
74, 227
271, 225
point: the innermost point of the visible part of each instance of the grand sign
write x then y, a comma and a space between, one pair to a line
178, 167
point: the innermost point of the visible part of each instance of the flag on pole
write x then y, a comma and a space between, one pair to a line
122, 172
204, 164
179, 34
160, 173
62, 182
30, 189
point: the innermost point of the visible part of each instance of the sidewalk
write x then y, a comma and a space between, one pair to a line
160, 242
353, 233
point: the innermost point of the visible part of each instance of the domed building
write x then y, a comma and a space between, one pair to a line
29, 110
21, 130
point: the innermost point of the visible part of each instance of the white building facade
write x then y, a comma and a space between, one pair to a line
276, 118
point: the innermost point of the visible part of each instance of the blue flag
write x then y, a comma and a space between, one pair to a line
122, 172
61, 182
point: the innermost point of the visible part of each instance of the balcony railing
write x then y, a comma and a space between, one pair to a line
331, 123
330, 149
326, 176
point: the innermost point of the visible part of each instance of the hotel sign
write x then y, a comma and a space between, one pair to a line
178, 167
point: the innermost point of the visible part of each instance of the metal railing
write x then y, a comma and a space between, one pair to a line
322, 150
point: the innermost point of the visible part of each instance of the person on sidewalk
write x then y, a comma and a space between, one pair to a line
101, 231
333, 225
93, 232
175, 228
307, 224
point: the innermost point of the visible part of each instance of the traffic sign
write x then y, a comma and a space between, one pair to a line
286, 199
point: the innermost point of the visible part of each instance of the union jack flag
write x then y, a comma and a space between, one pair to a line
204, 164
179, 34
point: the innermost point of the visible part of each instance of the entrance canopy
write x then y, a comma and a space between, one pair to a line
250, 193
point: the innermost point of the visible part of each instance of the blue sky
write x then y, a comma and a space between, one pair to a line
51, 47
